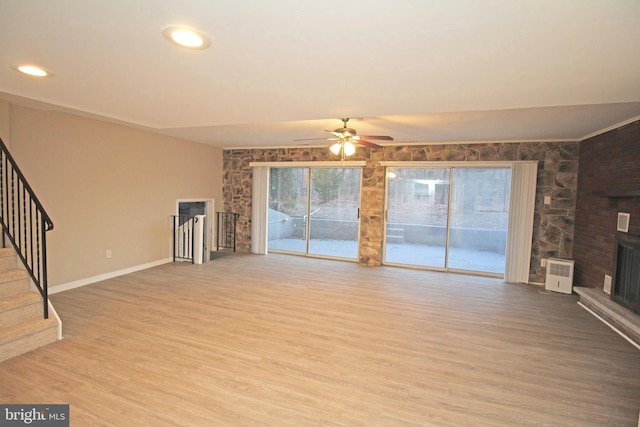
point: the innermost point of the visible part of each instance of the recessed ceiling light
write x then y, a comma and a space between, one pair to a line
186, 37
33, 70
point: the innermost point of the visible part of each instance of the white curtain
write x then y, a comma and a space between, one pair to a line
521, 210
259, 209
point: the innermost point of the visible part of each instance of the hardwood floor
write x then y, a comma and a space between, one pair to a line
282, 340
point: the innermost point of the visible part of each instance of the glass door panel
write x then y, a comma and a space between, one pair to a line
479, 215
314, 211
417, 206
288, 206
470, 233
333, 212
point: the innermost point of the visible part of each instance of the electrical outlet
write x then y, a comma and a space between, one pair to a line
109, 253
543, 262
607, 284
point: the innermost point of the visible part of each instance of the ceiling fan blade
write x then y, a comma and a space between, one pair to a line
345, 134
378, 137
311, 139
333, 132
367, 143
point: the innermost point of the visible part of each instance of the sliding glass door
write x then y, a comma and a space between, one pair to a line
450, 218
333, 212
314, 211
479, 216
288, 205
417, 207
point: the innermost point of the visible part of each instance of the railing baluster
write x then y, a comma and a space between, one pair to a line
31, 228
2, 195
185, 239
2, 168
43, 276
22, 220
5, 194
37, 263
13, 203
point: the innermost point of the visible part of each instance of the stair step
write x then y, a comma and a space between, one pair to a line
396, 231
19, 308
395, 235
27, 336
395, 239
8, 259
22, 325
13, 282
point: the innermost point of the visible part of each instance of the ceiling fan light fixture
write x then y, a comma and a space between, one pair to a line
347, 138
349, 148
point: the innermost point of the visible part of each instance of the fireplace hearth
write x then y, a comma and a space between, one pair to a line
626, 274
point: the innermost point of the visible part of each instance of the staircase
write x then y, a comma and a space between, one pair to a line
22, 326
24, 302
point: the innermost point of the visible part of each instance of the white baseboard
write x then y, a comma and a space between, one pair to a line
54, 313
101, 277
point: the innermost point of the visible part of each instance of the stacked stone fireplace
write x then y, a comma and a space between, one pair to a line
626, 276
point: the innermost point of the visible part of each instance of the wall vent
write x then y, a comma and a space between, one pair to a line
559, 275
623, 222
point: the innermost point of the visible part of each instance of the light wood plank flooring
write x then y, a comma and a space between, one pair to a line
282, 340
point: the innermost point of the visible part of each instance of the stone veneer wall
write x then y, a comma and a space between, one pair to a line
557, 178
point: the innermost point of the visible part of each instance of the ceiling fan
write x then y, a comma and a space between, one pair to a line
346, 137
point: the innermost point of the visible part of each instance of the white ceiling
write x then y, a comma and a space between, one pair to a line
279, 70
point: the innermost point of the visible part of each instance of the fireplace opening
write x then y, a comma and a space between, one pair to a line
626, 274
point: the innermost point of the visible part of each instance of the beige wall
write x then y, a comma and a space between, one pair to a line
108, 186
4, 121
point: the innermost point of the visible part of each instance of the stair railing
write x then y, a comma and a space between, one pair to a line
227, 224
184, 238
24, 222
